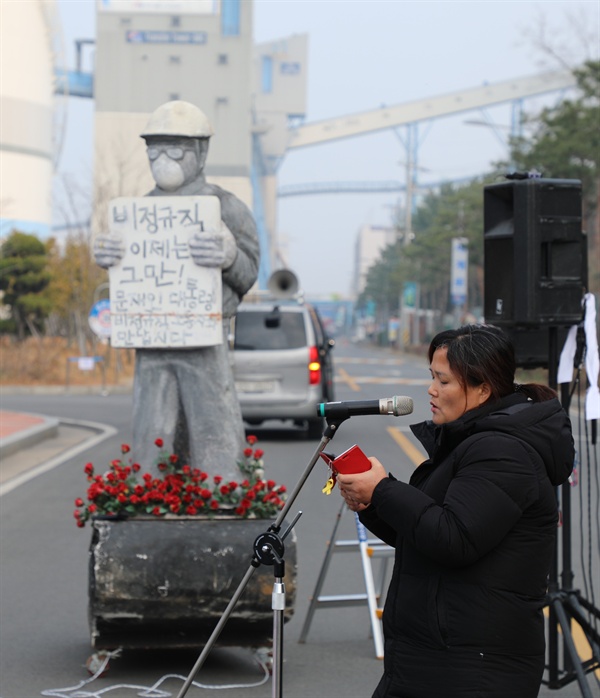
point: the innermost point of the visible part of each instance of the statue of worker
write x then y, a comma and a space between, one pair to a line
191, 390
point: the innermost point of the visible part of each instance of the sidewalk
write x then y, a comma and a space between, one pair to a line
19, 430
28, 440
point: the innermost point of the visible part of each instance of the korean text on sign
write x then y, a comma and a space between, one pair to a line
159, 297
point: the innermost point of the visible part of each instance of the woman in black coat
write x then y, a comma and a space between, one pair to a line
474, 530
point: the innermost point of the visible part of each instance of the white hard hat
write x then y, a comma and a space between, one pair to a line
178, 118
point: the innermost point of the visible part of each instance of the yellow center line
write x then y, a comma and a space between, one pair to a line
347, 378
582, 645
411, 451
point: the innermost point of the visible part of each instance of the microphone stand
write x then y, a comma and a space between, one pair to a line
269, 549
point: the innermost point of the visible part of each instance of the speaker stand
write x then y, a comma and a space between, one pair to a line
567, 604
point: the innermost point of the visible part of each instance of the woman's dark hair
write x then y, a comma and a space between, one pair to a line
485, 354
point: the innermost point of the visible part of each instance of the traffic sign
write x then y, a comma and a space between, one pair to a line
99, 318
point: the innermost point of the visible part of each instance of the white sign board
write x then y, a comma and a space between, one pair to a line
158, 297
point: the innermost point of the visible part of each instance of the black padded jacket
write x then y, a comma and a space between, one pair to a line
474, 530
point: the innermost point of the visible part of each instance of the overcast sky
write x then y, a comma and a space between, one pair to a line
364, 54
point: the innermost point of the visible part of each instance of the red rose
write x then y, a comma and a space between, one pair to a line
89, 469
80, 523
156, 511
247, 452
173, 458
136, 467
224, 489
92, 508
271, 484
251, 439
186, 469
203, 477
259, 453
191, 510
233, 485
79, 502
217, 479
125, 448
205, 494
214, 504
159, 443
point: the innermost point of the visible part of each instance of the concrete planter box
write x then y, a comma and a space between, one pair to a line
165, 582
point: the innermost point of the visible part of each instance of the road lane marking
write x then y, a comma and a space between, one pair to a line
348, 379
580, 640
405, 444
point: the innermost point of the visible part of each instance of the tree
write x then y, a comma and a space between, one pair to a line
454, 211
24, 276
75, 280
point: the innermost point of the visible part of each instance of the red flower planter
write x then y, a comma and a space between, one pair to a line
165, 582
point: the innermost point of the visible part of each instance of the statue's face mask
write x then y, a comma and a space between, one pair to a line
175, 161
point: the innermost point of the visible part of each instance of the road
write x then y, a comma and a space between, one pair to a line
44, 641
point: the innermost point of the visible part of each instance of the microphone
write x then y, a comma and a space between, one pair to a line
396, 406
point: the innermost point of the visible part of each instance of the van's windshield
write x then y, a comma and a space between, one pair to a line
269, 330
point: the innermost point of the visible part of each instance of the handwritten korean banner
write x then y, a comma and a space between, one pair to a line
158, 296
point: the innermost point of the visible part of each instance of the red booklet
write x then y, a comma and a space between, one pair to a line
351, 461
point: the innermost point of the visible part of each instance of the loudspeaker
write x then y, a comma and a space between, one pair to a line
535, 253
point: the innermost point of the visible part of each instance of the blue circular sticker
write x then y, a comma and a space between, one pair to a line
99, 318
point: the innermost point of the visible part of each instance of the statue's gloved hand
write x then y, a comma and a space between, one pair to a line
108, 250
211, 248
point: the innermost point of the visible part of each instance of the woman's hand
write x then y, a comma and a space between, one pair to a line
357, 489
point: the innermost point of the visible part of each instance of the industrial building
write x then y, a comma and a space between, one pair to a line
200, 51
27, 125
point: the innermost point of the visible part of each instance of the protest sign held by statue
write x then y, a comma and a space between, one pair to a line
179, 266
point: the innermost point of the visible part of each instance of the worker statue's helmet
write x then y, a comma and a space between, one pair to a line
178, 118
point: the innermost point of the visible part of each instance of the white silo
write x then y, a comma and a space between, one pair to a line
26, 111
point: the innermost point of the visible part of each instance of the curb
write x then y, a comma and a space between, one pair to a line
25, 438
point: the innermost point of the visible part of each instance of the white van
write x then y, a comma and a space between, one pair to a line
282, 363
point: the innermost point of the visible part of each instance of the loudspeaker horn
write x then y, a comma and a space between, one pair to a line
283, 283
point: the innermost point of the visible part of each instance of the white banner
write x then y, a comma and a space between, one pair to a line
459, 271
